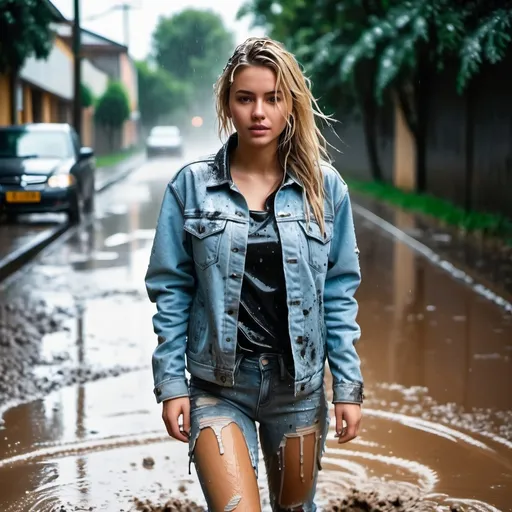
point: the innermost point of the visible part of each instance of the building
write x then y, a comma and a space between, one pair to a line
44, 89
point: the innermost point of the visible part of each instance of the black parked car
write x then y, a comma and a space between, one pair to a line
44, 169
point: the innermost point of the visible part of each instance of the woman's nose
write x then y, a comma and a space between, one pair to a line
258, 112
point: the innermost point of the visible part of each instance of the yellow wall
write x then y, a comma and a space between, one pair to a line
28, 115
61, 45
5, 101
404, 171
47, 108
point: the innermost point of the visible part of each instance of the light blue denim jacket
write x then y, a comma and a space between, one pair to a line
195, 278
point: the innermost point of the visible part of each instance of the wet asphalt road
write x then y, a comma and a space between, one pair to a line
436, 358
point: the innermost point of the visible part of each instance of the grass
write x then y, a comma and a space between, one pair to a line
479, 223
115, 158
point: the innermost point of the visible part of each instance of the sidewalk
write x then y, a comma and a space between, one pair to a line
106, 176
483, 265
21, 242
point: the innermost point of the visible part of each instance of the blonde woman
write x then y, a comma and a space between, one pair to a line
253, 270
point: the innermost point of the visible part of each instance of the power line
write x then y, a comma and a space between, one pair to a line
126, 8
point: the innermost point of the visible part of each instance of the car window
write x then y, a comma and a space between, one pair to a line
41, 144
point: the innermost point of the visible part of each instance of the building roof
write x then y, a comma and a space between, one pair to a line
91, 40
57, 15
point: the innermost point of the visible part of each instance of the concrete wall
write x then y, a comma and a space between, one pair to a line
108, 63
5, 100
54, 74
94, 78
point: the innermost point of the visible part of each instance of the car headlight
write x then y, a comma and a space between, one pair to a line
61, 181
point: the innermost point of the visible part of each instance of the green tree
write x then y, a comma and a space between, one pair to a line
24, 32
414, 39
160, 94
113, 109
86, 95
193, 46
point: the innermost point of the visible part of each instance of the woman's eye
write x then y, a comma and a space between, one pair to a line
274, 99
244, 99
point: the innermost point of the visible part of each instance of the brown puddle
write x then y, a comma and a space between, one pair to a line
437, 430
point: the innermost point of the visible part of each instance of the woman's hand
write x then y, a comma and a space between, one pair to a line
351, 413
171, 412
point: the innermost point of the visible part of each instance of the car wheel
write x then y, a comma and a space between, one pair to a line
11, 218
76, 212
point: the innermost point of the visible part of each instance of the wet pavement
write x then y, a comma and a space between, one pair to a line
437, 431
485, 260
32, 230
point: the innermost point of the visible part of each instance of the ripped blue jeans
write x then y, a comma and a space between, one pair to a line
263, 393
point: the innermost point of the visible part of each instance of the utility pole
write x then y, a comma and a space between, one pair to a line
77, 71
126, 23
126, 8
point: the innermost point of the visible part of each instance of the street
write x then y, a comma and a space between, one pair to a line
75, 349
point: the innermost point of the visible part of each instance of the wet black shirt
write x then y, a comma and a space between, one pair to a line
263, 313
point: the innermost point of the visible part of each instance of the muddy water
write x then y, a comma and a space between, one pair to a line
436, 356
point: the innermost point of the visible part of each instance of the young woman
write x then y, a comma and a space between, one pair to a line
253, 270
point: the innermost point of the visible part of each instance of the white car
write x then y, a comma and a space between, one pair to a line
164, 140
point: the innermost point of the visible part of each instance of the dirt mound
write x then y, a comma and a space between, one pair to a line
357, 501
172, 505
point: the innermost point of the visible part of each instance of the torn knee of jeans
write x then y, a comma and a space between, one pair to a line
300, 433
294, 501
216, 424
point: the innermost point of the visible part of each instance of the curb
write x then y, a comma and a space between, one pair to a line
433, 257
24, 254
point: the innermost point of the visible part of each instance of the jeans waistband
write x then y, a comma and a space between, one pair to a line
265, 362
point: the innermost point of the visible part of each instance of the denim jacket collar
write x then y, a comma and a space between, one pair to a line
222, 174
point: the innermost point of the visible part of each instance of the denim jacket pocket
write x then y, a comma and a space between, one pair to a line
206, 236
318, 244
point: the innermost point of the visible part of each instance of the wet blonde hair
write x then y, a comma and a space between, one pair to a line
302, 146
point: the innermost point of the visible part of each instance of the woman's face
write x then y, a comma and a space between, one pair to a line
257, 110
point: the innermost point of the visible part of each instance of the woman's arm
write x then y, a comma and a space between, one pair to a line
170, 280
342, 280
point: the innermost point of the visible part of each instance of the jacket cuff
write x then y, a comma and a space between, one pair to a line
172, 388
348, 392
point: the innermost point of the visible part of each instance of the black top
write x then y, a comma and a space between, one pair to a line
263, 313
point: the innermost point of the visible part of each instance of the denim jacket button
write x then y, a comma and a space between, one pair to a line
230, 311
223, 379
228, 339
158, 391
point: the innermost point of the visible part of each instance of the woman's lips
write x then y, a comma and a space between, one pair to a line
258, 131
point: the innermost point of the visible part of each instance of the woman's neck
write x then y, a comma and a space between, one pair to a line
252, 160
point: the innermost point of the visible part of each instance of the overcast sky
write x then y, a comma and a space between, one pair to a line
144, 17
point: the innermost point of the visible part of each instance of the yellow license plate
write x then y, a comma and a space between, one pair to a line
22, 197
